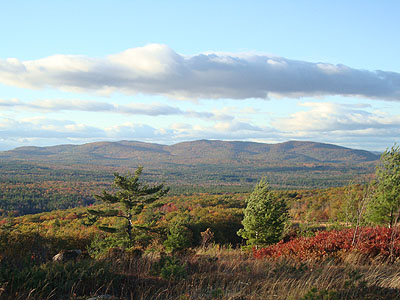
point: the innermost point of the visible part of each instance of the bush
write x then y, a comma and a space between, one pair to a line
14, 245
169, 267
179, 238
56, 279
373, 242
315, 294
100, 246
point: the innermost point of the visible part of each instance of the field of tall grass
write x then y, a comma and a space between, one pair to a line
214, 272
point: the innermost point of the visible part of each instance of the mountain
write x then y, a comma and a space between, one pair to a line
132, 153
202, 163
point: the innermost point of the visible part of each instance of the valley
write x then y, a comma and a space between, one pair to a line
34, 179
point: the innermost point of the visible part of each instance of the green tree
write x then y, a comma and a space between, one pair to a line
354, 203
265, 216
179, 237
133, 197
384, 207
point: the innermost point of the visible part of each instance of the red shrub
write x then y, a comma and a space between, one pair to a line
370, 241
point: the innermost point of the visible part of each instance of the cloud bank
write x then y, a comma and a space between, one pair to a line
332, 117
347, 125
152, 109
158, 70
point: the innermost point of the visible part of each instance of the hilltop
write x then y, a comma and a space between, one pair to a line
197, 164
215, 152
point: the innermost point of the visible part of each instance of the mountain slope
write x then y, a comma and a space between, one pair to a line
210, 165
191, 153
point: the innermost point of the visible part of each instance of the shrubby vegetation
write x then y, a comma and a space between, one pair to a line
371, 242
186, 247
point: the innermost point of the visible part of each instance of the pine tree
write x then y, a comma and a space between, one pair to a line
133, 197
265, 216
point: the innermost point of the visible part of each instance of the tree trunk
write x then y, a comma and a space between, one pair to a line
391, 218
129, 227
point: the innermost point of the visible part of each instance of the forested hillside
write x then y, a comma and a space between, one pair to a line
200, 152
34, 179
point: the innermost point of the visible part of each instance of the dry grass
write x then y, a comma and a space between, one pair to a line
229, 274
221, 273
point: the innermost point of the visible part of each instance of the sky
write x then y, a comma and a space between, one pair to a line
73, 72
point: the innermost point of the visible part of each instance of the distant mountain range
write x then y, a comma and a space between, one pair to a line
211, 161
132, 153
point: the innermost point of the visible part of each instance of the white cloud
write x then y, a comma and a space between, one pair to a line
348, 125
41, 127
233, 130
152, 109
134, 131
158, 70
235, 126
330, 117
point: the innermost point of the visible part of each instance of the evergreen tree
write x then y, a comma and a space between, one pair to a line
265, 216
133, 197
179, 237
384, 208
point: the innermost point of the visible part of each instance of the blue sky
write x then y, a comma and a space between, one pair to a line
170, 71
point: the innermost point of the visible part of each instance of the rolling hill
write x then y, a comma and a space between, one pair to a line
35, 179
202, 163
132, 153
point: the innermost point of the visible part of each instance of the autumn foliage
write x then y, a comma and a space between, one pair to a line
371, 241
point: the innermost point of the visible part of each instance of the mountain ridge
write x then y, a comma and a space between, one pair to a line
211, 165
199, 151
